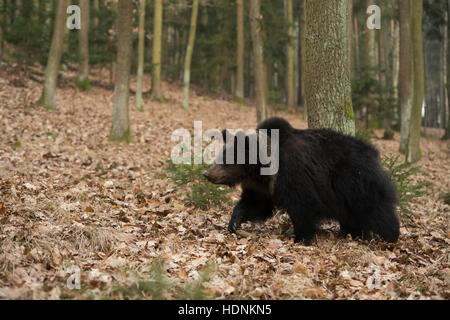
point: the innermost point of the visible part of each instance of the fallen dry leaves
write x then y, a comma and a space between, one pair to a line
69, 198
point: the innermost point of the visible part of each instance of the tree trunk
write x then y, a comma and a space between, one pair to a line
54, 57
156, 57
388, 134
395, 59
189, 51
406, 72
327, 78
240, 50
302, 59
96, 7
141, 46
296, 59
356, 37
444, 98
2, 26
447, 128
258, 60
120, 129
370, 54
290, 55
413, 152
349, 37
83, 73
369, 64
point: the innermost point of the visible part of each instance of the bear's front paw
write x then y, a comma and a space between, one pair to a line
233, 226
235, 220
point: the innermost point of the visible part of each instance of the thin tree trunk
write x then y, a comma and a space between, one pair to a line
395, 59
54, 57
447, 128
414, 152
83, 73
290, 55
302, 59
349, 37
240, 50
296, 60
189, 51
141, 47
406, 72
156, 57
120, 129
444, 97
2, 26
388, 134
369, 64
327, 86
356, 36
96, 7
258, 60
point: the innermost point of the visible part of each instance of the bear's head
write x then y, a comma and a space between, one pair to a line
243, 156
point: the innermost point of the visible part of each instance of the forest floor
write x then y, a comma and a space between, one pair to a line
71, 202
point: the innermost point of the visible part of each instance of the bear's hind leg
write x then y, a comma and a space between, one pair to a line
305, 224
351, 229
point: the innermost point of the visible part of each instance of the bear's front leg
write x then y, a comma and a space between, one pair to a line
236, 218
253, 206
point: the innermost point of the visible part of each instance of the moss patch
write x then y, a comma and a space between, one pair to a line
126, 138
348, 109
84, 84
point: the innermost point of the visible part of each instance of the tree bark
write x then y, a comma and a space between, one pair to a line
356, 40
327, 78
54, 57
396, 59
83, 73
290, 55
141, 47
2, 26
96, 7
240, 50
189, 51
406, 72
302, 59
447, 128
156, 57
120, 129
444, 98
258, 60
350, 37
388, 134
413, 152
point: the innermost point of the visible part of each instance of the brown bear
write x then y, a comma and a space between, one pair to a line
321, 174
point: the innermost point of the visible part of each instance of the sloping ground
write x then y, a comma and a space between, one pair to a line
70, 199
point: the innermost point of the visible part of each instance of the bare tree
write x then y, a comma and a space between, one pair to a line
258, 60
413, 153
141, 46
290, 55
327, 76
189, 51
240, 50
406, 75
120, 129
54, 57
157, 37
83, 72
